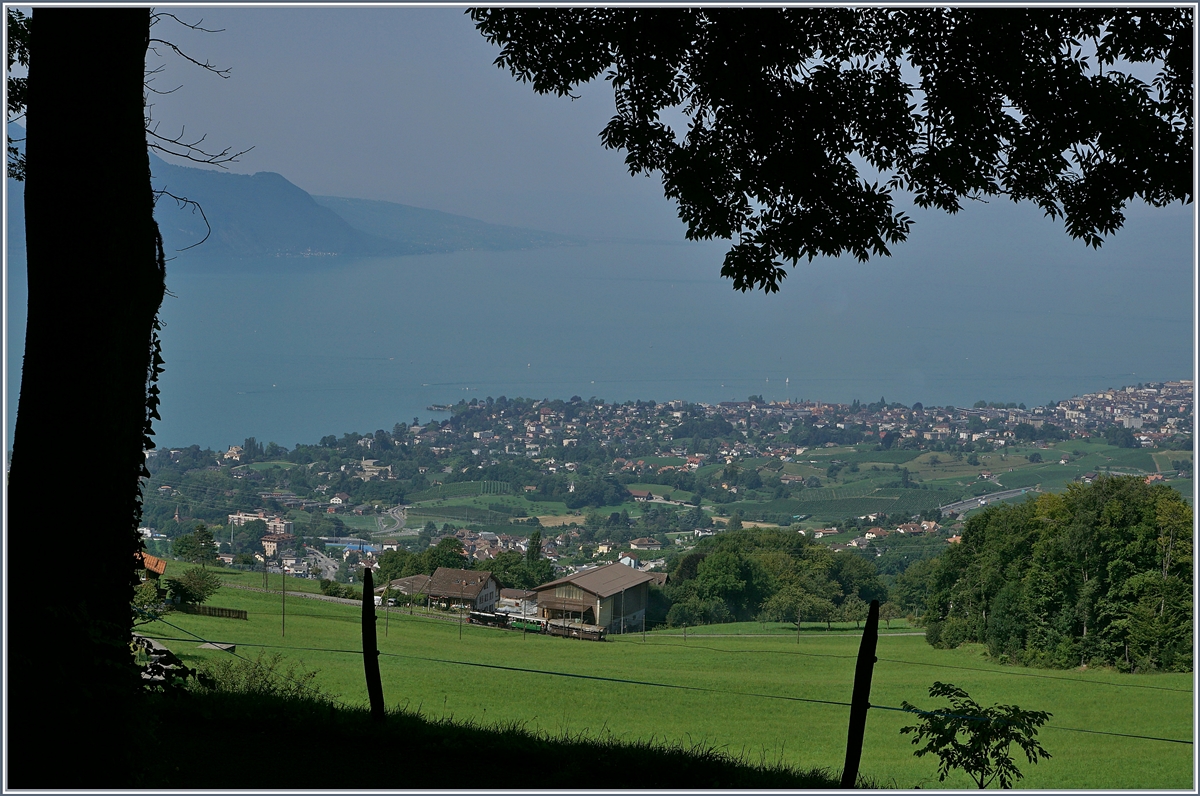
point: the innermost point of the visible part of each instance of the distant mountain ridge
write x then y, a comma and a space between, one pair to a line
265, 215
251, 215
434, 231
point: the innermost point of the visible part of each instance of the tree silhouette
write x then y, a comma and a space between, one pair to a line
96, 280
802, 122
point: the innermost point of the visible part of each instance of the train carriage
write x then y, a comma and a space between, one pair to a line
568, 629
487, 618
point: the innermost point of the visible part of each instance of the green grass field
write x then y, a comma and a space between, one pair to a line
662, 461
658, 490
736, 691
1164, 458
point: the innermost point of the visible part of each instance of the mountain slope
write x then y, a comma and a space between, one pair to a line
432, 230
252, 215
265, 215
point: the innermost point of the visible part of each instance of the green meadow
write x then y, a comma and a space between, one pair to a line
734, 687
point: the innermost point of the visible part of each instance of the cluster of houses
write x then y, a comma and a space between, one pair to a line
610, 596
484, 545
1153, 410
871, 535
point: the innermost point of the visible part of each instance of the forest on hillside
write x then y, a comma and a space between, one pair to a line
1098, 575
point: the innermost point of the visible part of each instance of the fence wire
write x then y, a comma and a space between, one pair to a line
646, 683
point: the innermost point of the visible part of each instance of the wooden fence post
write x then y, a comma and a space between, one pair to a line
370, 648
860, 701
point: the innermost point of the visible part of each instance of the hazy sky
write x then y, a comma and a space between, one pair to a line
405, 105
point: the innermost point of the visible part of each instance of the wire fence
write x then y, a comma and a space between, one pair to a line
679, 686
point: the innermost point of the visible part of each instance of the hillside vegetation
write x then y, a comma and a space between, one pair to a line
742, 694
1098, 575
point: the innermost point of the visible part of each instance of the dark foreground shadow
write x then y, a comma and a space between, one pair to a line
243, 741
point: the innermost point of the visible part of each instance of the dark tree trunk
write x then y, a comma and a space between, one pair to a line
96, 281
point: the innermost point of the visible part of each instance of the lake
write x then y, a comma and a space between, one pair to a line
996, 304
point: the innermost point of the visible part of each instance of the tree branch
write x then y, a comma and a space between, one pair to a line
183, 202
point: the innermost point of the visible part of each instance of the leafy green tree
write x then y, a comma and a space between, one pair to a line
1120, 436
853, 609
821, 611
1035, 458
197, 547
185, 548
857, 576
252, 449
721, 575
793, 604
447, 553
688, 566
974, 739
534, 551
889, 611
394, 564
205, 544
773, 143
148, 605
735, 522
194, 586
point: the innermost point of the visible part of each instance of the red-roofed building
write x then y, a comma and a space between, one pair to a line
150, 567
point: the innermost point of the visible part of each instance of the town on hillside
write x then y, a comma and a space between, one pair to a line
641, 483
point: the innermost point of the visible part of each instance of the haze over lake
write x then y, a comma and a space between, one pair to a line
290, 349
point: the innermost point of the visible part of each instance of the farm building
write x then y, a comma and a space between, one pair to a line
413, 584
149, 567
478, 589
612, 596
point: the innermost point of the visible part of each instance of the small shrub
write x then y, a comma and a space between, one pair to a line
263, 676
332, 588
967, 736
954, 632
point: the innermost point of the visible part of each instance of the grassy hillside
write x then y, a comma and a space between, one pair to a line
732, 692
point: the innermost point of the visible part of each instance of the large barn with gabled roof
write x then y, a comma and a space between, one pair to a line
611, 596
